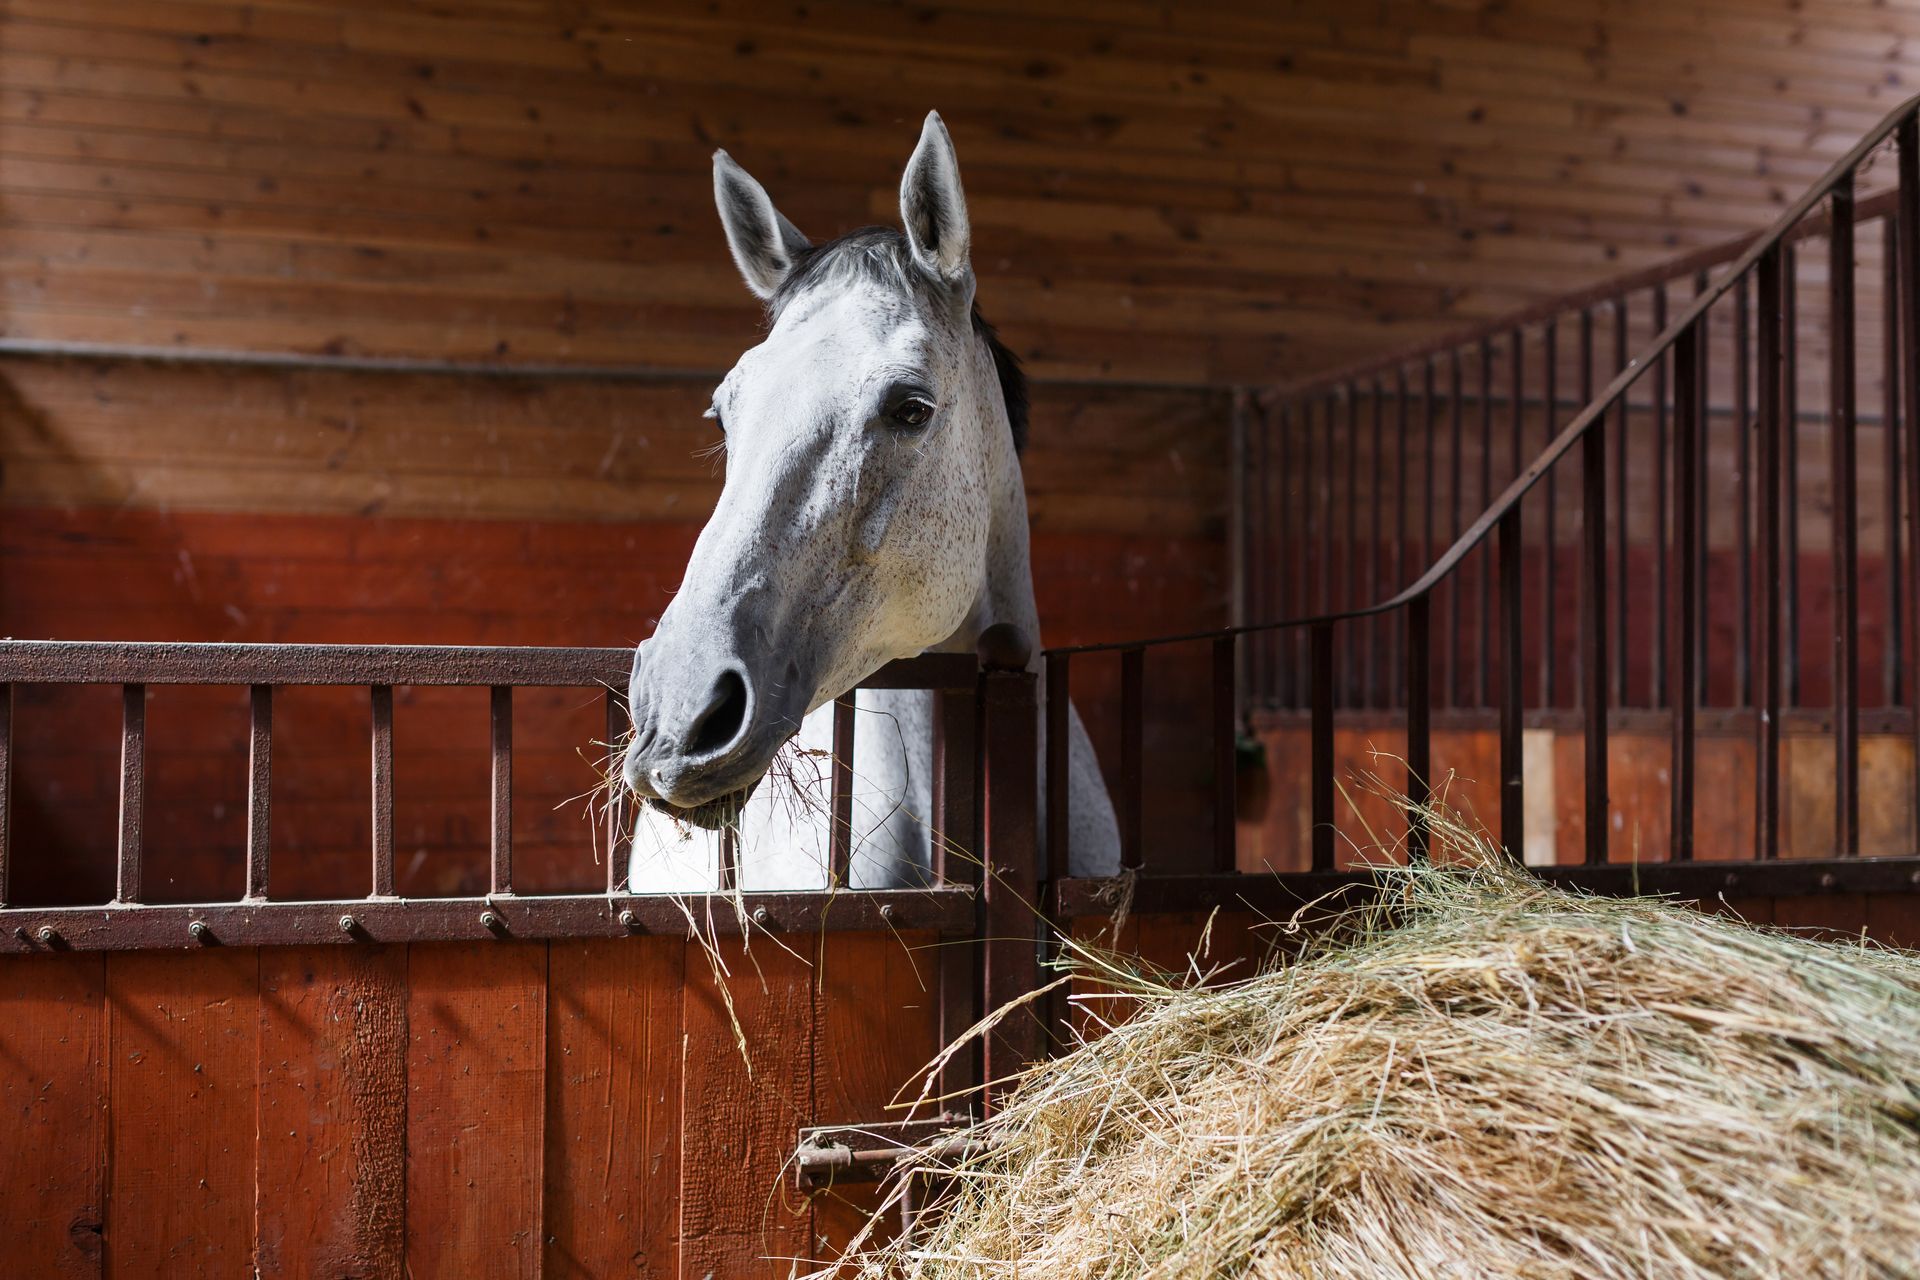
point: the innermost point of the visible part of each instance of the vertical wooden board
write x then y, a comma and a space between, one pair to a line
476, 1024
1806, 796
1090, 1004
1539, 787
614, 1042
743, 1105
1886, 795
1466, 776
1639, 795
876, 1026
1371, 828
1724, 790
1753, 910
53, 1113
1282, 842
1830, 916
1894, 919
1569, 798
1182, 944
332, 1112
182, 1035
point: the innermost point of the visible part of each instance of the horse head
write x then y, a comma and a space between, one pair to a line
864, 438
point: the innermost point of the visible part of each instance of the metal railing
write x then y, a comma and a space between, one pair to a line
1298, 656
379, 914
1317, 533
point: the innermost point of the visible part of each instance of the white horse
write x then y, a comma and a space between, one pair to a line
873, 509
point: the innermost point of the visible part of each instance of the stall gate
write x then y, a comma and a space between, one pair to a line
504, 1085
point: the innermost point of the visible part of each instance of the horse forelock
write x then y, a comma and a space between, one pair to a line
881, 255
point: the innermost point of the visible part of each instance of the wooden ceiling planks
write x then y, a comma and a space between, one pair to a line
1182, 194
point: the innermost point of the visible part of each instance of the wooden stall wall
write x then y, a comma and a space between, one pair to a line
144, 502
1160, 192
578, 1109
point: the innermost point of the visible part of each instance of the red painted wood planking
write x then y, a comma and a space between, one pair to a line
476, 1070
613, 1121
748, 1087
53, 1114
182, 1036
876, 1027
332, 1112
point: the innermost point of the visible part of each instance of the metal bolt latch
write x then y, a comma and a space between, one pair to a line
348, 924
489, 921
627, 919
198, 931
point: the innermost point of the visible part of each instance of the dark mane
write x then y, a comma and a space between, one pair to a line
881, 254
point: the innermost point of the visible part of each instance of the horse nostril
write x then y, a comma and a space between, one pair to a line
725, 713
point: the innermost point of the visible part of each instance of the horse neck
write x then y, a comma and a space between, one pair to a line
1006, 589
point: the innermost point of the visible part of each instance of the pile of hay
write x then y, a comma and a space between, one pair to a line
1485, 1077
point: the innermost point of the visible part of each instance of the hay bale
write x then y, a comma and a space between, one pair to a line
1485, 1077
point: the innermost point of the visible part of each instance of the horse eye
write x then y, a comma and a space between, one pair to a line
911, 413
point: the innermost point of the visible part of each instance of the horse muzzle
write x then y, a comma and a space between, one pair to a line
699, 755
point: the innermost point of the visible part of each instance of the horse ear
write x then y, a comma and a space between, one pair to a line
933, 209
765, 245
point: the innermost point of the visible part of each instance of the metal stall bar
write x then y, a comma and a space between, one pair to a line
1685, 606
1009, 940
1320, 771
1790, 462
958, 747
1224, 754
6, 791
133, 787
1132, 747
1908, 142
1593, 631
1743, 498
1377, 679
500, 807
1349, 576
259, 788
618, 838
382, 791
1242, 607
1450, 660
1057, 691
1703, 424
1846, 533
1622, 546
1767, 636
1512, 696
1483, 630
1549, 647
840, 834
1893, 674
1429, 547
1419, 723
1588, 515
1394, 659
1662, 553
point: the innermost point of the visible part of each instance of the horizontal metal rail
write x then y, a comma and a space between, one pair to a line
1280, 896
128, 662
948, 911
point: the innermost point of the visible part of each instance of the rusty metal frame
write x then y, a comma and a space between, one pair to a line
952, 909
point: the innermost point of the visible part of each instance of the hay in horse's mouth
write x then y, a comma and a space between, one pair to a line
721, 811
